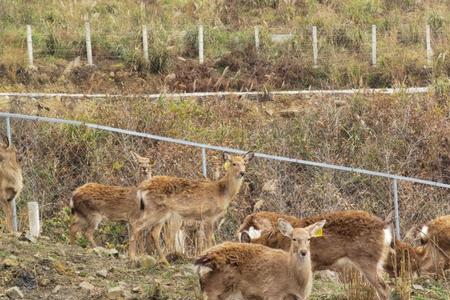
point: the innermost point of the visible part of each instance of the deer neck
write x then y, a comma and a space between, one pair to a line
300, 270
230, 185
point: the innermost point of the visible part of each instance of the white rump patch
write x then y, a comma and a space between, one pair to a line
254, 233
387, 236
202, 270
423, 234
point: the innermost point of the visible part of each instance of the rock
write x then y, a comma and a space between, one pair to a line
115, 292
106, 252
136, 289
102, 273
87, 286
129, 296
418, 287
10, 261
14, 293
271, 186
147, 261
56, 289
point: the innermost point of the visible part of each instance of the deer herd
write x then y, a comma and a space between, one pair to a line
274, 256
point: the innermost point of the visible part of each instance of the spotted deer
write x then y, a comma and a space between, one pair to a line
11, 181
354, 238
93, 202
197, 200
432, 256
256, 271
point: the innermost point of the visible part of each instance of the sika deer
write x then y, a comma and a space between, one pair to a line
197, 200
432, 256
93, 202
11, 181
355, 237
256, 271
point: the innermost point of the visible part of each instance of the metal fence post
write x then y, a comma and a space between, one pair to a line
87, 28
315, 49
145, 42
204, 161
257, 38
8, 130
397, 214
200, 44
374, 45
30, 46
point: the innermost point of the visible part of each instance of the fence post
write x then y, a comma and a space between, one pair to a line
396, 210
374, 45
33, 217
145, 42
429, 49
257, 38
314, 40
30, 46
8, 130
87, 28
204, 161
200, 44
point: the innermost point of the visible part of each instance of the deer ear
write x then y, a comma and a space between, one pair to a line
285, 227
245, 237
316, 229
226, 156
249, 156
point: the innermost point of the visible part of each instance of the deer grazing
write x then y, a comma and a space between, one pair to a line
11, 181
93, 202
256, 271
195, 200
432, 256
350, 237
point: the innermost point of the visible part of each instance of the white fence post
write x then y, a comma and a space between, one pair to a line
200, 44
30, 46
145, 42
87, 28
204, 162
257, 38
396, 209
33, 218
315, 49
374, 45
429, 49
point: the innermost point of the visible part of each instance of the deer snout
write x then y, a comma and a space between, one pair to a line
242, 173
303, 252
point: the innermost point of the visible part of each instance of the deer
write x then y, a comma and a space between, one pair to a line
351, 238
93, 202
201, 200
11, 181
431, 256
257, 271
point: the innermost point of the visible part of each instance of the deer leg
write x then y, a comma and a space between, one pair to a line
156, 233
77, 225
6, 206
370, 272
209, 233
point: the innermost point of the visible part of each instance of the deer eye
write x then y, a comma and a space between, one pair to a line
294, 240
234, 164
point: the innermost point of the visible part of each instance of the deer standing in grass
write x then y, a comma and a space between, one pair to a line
432, 256
11, 181
93, 202
196, 200
253, 270
350, 237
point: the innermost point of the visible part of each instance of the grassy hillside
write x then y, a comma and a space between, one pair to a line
343, 30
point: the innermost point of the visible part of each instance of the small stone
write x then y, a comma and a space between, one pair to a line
147, 261
136, 289
418, 287
14, 293
102, 273
115, 292
56, 289
87, 286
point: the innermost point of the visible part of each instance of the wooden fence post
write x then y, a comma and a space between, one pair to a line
200, 44
87, 28
315, 49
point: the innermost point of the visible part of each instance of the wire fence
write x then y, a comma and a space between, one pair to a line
319, 46
58, 155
